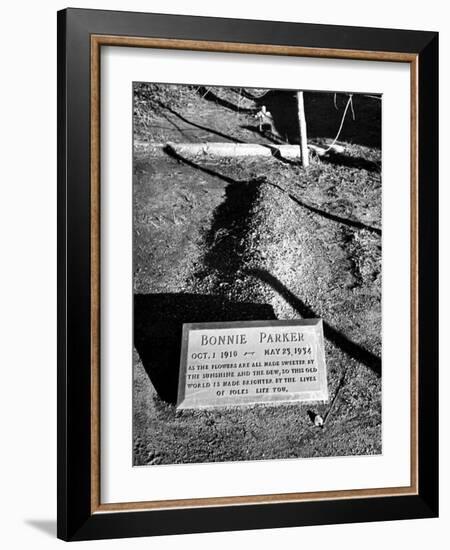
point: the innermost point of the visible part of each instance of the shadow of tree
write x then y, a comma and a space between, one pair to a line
200, 126
344, 221
208, 94
262, 179
226, 239
338, 338
169, 150
267, 135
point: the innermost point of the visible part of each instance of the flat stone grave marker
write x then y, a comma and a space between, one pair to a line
249, 362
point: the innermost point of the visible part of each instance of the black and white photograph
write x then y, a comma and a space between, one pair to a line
255, 211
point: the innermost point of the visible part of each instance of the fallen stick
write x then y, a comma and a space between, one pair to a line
340, 386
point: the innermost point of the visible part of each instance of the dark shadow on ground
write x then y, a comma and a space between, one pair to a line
277, 154
323, 118
199, 126
262, 179
344, 221
158, 323
178, 128
351, 162
311, 415
355, 351
208, 94
226, 240
268, 135
169, 150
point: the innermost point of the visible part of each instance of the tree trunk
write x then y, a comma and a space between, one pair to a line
302, 127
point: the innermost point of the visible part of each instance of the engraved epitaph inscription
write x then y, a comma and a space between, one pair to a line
243, 363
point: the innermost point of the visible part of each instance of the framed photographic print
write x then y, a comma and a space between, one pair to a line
247, 251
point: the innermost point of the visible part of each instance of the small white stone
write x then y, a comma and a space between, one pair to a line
318, 420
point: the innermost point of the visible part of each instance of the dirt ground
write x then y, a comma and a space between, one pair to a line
256, 239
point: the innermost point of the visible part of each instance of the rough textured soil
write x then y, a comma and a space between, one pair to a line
255, 239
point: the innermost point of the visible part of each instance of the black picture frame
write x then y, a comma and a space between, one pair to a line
77, 519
